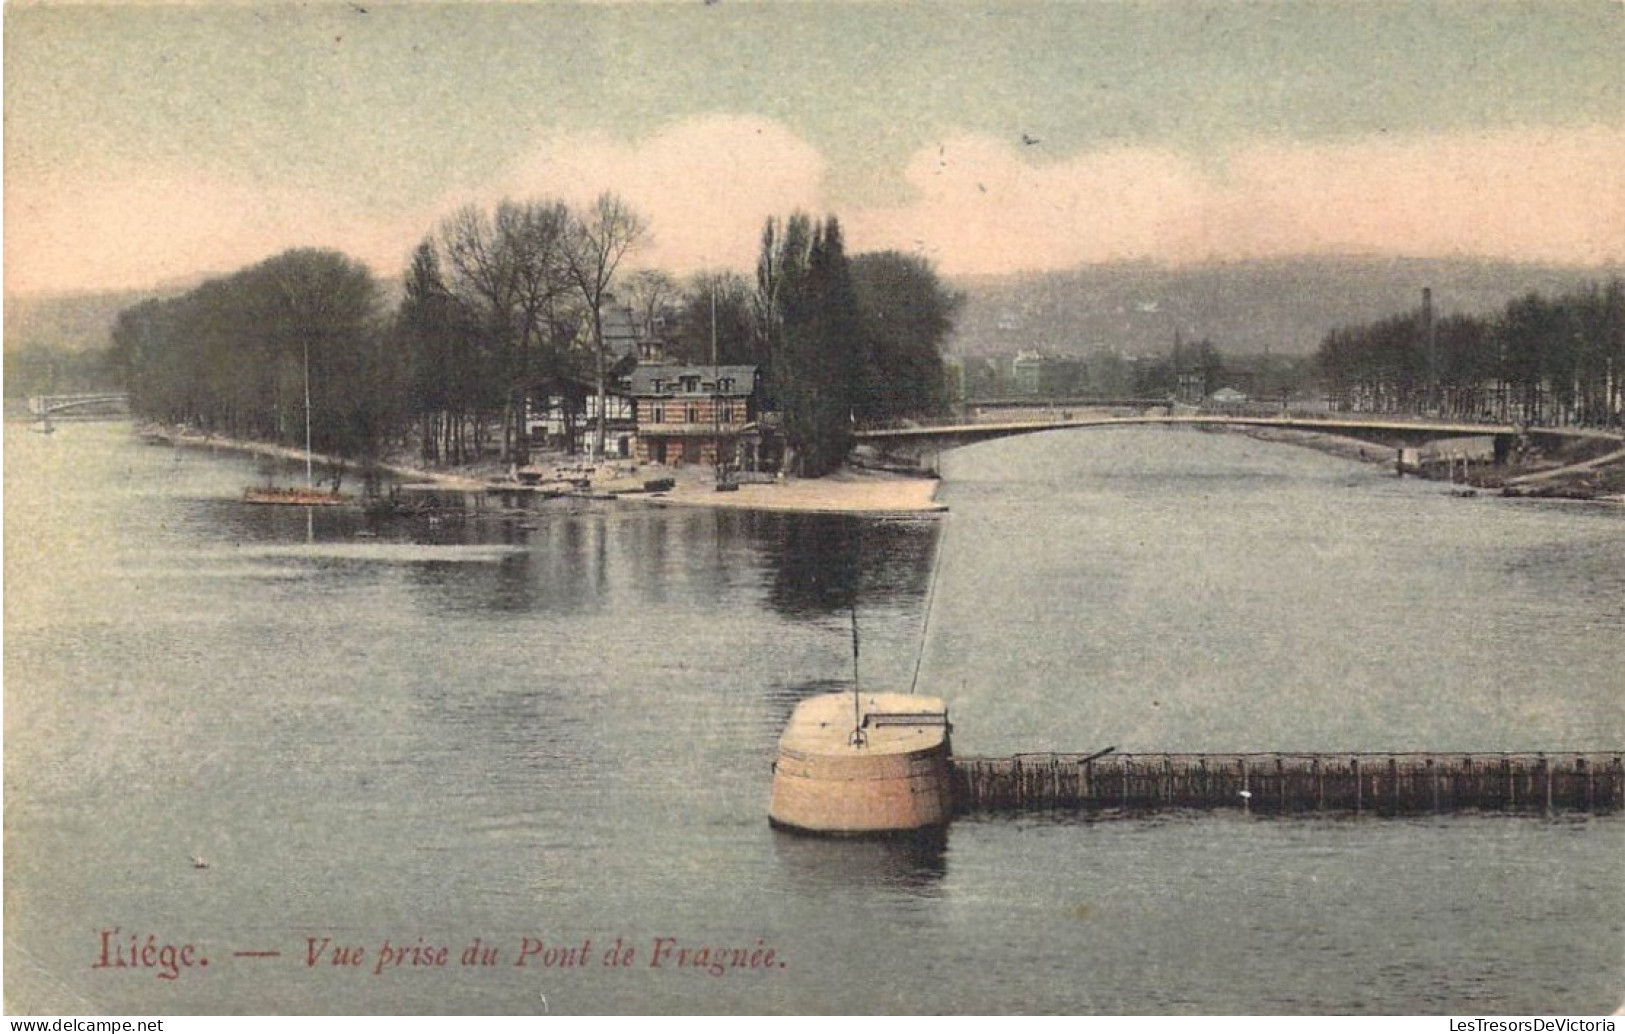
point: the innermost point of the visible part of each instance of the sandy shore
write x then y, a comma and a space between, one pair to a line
848, 491
1599, 480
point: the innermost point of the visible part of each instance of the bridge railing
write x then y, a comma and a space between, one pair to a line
115, 403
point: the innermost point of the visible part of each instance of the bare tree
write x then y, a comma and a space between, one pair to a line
508, 270
715, 320
599, 239
651, 292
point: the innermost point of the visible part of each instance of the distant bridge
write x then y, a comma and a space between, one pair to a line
920, 442
1064, 402
87, 406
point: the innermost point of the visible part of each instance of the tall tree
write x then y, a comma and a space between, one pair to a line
509, 270
238, 355
907, 314
1544, 360
427, 329
716, 306
808, 319
652, 294
598, 239
325, 309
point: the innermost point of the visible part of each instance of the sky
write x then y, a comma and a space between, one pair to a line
146, 144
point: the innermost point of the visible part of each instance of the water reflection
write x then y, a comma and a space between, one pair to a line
782, 699
916, 862
823, 564
238, 522
579, 560
355, 748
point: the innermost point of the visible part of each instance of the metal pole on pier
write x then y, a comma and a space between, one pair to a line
309, 482
858, 737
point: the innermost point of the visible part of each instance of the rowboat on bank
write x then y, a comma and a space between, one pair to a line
294, 496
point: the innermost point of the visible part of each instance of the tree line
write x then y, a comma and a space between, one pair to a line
846, 343
250, 354
45, 370
1540, 360
498, 305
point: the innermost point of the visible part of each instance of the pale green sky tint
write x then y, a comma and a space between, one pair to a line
141, 139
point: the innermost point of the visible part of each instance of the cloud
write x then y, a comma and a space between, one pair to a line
705, 185
979, 205
986, 206
1537, 195
103, 229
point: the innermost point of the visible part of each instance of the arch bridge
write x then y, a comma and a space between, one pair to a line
88, 406
919, 444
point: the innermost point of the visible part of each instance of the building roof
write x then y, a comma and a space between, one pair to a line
671, 380
620, 329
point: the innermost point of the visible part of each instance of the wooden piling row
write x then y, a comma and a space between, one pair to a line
1379, 784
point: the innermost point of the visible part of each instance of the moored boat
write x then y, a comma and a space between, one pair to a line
305, 495
293, 497
853, 764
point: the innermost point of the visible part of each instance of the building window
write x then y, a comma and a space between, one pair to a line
657, 414
725, 412
693, 413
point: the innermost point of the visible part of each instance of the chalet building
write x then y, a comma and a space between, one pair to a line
703, 414
563, 414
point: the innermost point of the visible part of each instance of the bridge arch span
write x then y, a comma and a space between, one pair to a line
920, 443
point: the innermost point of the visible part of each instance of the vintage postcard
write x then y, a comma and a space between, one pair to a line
723, 507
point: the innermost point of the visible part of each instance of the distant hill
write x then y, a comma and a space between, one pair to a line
1282, 306
68, 322
83, 322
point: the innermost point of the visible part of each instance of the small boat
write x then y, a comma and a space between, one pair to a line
294, 496
856, 764
299, 495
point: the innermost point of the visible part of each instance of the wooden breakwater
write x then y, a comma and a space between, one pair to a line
1357, 783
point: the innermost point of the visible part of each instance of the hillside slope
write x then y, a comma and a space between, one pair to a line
1282, 306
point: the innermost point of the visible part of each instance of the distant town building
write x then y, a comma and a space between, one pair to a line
1035, 374
1190, 385
1027, 373
955, 382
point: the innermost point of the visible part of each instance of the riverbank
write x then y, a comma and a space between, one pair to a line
1591, 471
848, 491
193, 440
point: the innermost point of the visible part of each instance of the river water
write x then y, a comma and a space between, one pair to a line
554, 734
